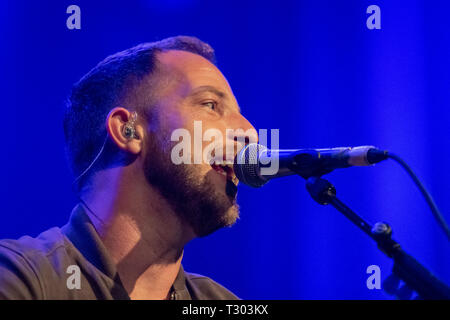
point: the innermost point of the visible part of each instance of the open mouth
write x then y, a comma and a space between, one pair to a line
227, 171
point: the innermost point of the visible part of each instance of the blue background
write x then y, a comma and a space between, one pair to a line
309, 68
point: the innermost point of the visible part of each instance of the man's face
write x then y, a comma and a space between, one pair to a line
190, 88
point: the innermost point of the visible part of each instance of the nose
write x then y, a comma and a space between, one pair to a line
242, 133
246, 136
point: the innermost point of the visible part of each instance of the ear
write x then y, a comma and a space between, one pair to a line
115, 122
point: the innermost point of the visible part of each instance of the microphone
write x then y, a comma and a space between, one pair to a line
255, 164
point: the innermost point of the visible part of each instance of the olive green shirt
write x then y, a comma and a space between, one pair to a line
72, 263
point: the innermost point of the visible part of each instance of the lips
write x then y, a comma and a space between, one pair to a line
226, 170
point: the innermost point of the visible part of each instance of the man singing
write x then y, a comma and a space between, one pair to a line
137, 208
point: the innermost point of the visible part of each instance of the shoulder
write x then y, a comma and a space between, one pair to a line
204, 288
42, 245
26, 262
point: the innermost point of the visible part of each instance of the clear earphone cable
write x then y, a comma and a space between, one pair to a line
93, 161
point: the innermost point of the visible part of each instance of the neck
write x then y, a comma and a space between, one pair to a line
142, 234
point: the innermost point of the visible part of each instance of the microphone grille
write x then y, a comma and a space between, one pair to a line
246, 165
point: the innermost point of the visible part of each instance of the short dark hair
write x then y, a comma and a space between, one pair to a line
104, 87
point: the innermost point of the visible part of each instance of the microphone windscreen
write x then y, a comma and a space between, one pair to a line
246, 165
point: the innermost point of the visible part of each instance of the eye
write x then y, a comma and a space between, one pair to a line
210, 104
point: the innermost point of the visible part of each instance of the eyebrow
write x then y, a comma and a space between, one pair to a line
211, 89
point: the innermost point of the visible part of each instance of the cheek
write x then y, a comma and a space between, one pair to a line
175, 121
165, 119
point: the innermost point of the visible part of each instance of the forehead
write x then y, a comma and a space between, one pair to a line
190, 70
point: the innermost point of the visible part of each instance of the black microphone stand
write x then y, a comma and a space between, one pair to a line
406, 268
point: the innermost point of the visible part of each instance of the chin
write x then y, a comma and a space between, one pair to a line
232, 215
218, 220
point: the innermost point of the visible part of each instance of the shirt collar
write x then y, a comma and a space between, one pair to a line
82, 234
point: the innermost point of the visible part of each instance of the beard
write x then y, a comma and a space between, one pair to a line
192, 195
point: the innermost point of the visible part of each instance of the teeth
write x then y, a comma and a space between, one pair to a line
218, 161
223, 172
226, 167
